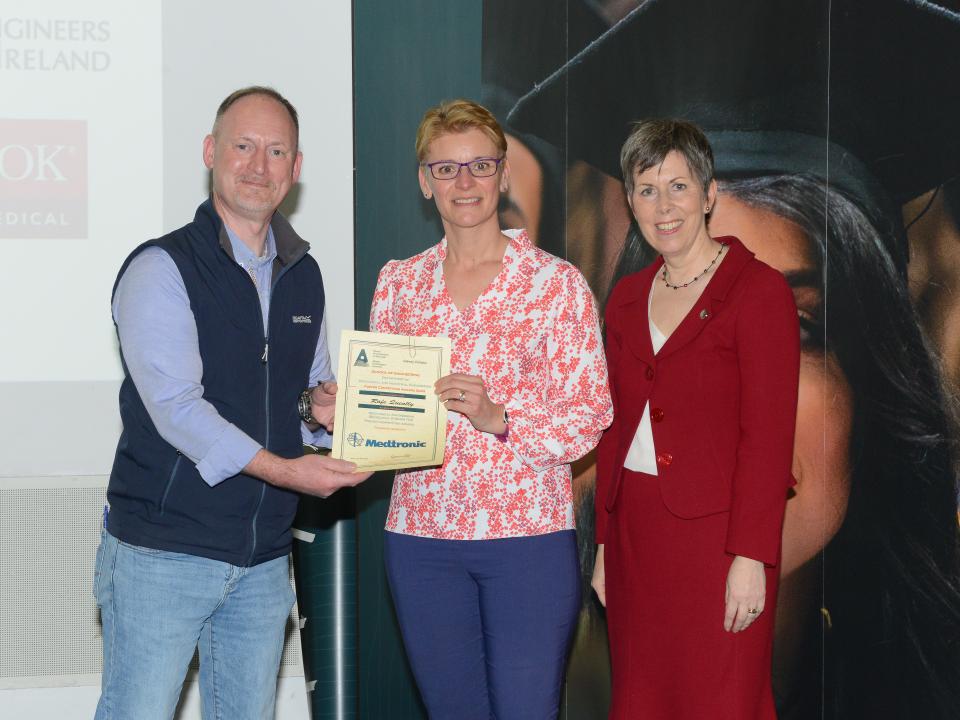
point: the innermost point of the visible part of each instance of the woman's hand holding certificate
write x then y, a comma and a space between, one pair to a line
467, 395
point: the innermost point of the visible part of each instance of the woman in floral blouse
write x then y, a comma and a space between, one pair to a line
480, 552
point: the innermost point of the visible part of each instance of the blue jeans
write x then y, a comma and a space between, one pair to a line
157, 606
487, 624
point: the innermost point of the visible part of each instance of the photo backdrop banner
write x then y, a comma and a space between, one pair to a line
831, 124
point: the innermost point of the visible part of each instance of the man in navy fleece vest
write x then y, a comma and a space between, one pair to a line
226, 375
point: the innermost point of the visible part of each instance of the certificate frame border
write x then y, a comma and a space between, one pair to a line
348, 342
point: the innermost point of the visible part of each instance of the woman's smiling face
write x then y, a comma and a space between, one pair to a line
821, 454
464, 201
669, 205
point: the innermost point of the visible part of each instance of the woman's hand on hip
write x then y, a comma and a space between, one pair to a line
467, 395
599, 580
746, 592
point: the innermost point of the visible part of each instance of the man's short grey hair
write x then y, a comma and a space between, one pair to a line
269, 92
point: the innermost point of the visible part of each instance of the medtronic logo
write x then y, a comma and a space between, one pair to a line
395, 444
302, 319
355, 439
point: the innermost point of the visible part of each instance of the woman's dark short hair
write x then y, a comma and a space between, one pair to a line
652, 140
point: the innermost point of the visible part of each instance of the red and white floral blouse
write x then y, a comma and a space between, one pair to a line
534, 339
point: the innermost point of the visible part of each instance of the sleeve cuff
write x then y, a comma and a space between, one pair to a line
230, 454
535, 450
766, 552
600, 517
320, 438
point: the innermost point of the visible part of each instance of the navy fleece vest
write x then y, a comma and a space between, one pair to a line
157, 497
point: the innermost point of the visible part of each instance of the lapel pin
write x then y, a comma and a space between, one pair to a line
704, 314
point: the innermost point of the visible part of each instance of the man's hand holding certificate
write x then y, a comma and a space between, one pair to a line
388, 415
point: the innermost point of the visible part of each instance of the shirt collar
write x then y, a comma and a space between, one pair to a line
244, 255
518, 245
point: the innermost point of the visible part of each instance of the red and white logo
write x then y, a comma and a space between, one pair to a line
43, 178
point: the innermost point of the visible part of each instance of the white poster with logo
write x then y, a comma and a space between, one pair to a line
81, 170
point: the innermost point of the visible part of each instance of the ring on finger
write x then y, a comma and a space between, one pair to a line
753, 611
462, 397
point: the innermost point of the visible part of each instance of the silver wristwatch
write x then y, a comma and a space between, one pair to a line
304, 405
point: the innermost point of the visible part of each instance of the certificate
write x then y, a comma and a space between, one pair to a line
387, 414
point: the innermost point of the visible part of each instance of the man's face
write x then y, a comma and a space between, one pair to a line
254, 159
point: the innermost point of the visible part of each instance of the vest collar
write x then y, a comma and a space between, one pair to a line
290, 246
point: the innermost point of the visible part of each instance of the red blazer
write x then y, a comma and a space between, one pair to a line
723, 400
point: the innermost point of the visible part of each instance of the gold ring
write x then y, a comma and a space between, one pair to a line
463, 396
753, 611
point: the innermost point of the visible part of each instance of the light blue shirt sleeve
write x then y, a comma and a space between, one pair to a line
320, 371
158, 338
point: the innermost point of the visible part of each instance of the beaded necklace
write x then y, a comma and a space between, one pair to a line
707, 269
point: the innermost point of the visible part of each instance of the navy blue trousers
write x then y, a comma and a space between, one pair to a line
487, 624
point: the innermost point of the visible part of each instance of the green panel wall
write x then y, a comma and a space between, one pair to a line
327, 600
408, 55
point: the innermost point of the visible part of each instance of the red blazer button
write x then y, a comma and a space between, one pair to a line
656, 414
664, 459
649, 373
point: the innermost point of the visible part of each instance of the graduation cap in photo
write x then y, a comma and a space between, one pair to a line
525, 41
863, 93
522, 43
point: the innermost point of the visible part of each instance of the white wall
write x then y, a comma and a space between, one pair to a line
128, 90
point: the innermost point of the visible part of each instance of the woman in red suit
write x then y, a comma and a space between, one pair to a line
692, 477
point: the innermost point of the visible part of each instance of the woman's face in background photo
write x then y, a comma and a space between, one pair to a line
521, 205
817, 505
933, 232
821, 459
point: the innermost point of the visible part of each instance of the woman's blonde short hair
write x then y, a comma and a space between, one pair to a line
455, 116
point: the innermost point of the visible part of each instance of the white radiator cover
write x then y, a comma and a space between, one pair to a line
49, 624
